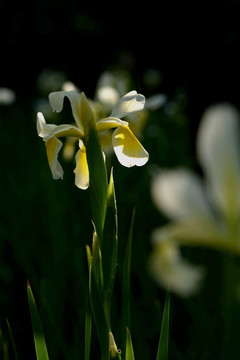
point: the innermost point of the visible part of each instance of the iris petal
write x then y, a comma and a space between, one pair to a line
180, 193
128, 103
56, 100
53, 146
43, 129
218, 150
81, 171
128, 149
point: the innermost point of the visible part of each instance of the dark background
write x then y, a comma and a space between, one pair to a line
195, 49
193, 45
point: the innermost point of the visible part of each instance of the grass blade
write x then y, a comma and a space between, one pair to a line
88, 317
39, 339
99, 315
162, 353
109, 248
98, 181
126, 322
12, 341
88, 330
129, 346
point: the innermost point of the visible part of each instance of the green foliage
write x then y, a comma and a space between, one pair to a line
162, 353
98, 181
39, 338
129, 346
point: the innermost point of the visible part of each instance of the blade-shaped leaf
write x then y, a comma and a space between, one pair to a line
88, 316
12, 341
162, 353
39, 339
129, 346
99, 316
126, 281
98, 180
109, 247
88, 330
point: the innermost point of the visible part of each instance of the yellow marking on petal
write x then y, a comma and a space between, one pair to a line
81, 171
53, 146
128, 149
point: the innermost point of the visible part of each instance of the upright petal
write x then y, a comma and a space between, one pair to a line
53, 146
128, 149
56, 100
128, 103
219, 154
81, 171
179, 193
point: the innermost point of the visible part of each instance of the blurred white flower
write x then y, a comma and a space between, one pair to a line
203, 212
7, 96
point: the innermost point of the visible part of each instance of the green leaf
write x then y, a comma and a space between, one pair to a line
39, 339
88, 316
12, 341
88, 330
126, 281
162, 353
109, 247
97, 262
98, 181
99, 316
129, 346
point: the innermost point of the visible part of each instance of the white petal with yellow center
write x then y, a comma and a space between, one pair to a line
109, 123
128, 149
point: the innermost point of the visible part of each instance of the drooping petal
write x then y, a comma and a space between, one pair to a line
219, 153
128, 149
43, 129
172, 272
81, 171
64, 130
109, 123
56, 100
128, 103
53, 146
180, 193
197, 231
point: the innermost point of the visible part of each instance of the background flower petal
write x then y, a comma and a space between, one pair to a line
171, 271
219, 154
128, 103
180, 193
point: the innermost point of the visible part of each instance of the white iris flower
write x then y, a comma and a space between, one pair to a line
203, 212
128, 149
